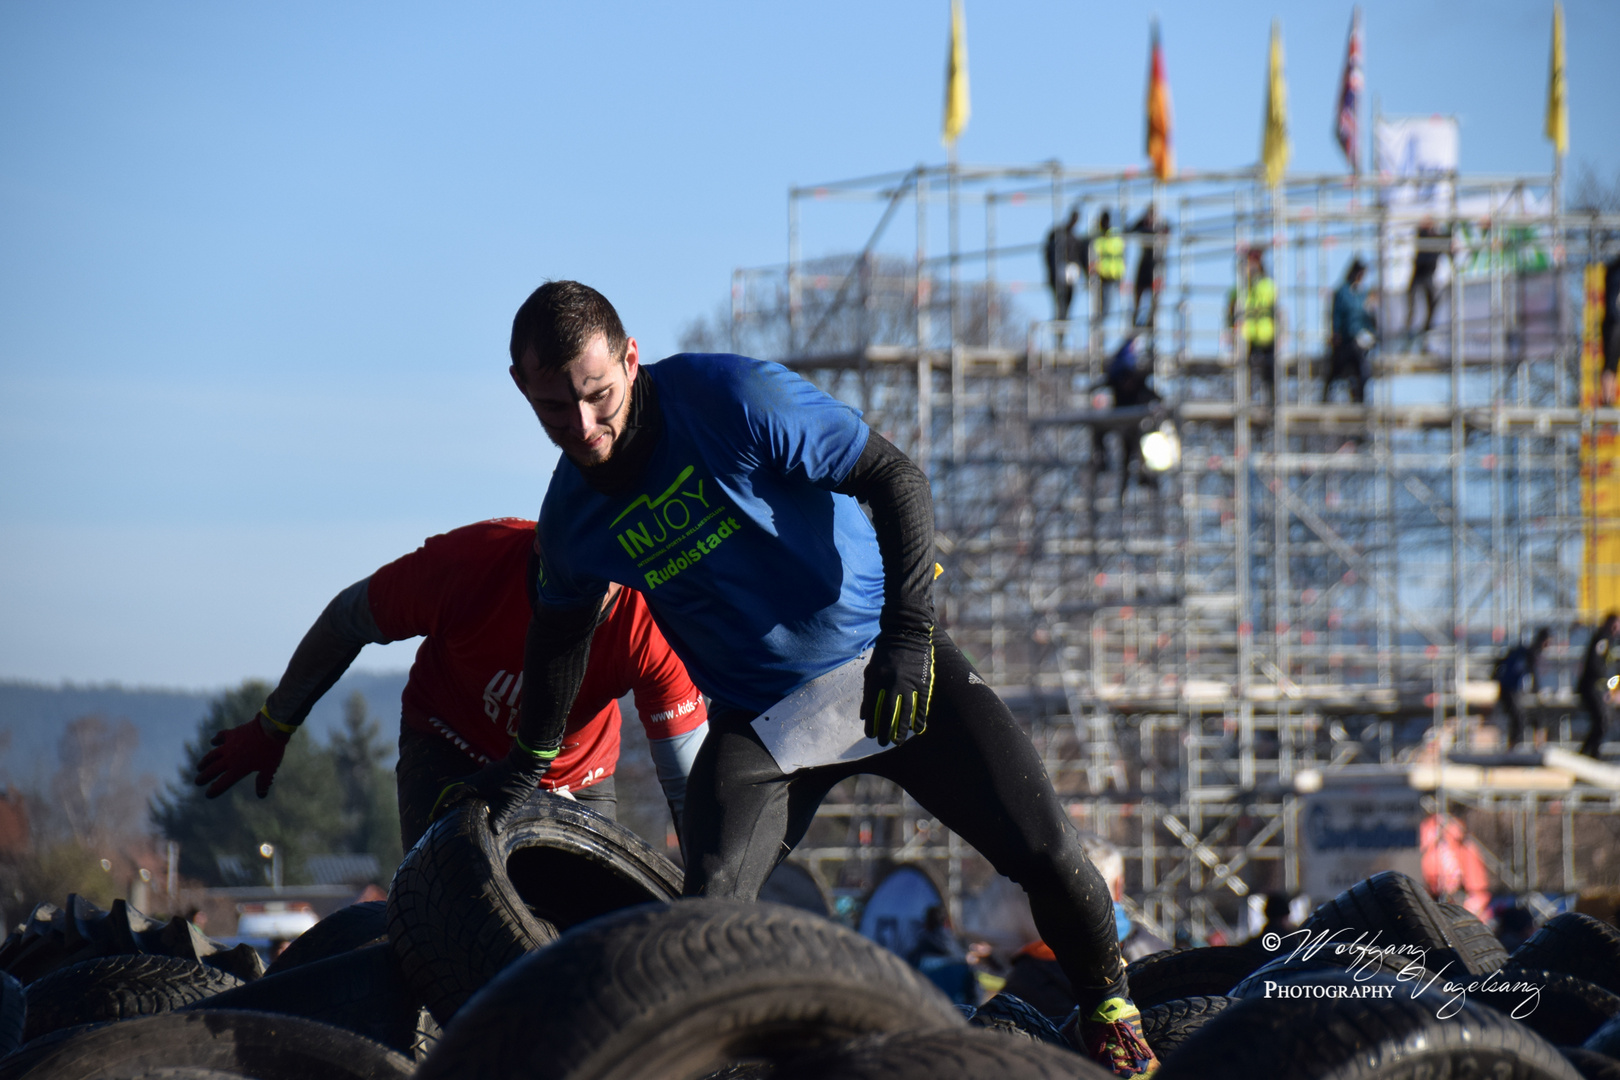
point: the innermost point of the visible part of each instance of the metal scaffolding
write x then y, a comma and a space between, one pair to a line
1314, 583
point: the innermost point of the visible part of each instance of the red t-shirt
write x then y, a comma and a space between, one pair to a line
466, 591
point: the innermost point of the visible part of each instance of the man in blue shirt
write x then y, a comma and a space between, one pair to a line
1352, 335
726, 489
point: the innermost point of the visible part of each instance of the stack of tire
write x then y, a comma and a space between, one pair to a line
558, 949
354, 997
1380, 983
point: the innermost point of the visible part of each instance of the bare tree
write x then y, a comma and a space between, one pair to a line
94, 796
843, 303
1593, 194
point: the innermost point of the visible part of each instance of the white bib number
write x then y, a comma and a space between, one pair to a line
820, 722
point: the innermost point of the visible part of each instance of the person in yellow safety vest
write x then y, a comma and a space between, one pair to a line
1107, 261
1258, 319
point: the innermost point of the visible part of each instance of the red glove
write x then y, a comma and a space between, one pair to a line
255, 746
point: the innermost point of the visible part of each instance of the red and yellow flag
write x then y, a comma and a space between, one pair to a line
1159, 147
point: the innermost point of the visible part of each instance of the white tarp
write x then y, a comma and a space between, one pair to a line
1422, 149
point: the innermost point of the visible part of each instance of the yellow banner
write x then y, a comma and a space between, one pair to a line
1600, 467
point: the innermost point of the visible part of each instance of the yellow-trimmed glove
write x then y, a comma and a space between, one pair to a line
899, 685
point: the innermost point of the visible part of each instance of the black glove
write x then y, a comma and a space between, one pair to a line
899, 685
502, 785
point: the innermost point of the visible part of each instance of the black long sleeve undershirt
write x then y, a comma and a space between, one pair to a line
903, 518
555, 655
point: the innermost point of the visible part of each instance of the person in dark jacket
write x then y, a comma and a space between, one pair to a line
1147, 266
1065, 267
1353, 327
1594, 686
1610, 329
1431, 242
1516, 674
1127, 376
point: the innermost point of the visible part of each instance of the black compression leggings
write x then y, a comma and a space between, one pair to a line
973, 769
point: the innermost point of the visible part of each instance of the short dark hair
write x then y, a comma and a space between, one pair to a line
1357, 268
558, 321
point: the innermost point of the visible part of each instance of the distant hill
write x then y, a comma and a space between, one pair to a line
32, 716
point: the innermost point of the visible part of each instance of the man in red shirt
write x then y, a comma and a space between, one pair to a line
469, 592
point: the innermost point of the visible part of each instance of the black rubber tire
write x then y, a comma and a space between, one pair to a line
943, 1055
1481, 952
55, 938
1591, 1064
1389, 909
190, 1074
1577, 945
1167, 1026
1396, 1038
683, 990
465, 903
13, 1013
188, 1044
1012, 1015
1567, 1010
1475, 941
1355, 964
118, 988
1606, 1039
1208, 971
361, 990
353, 927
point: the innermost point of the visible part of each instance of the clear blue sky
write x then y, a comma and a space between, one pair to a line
258, 262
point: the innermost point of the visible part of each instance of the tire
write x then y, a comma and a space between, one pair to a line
1591, 1064
204, 1043
347, 928
13, 1013
1012, 1015
1606, 1039
54, 938
1577, 945
1355, 964
683, 990
943, 1055
1480, 951
1563, 1009
1208, 971
1390, 909
361, 990
118, 988
1167, 1026
465, 903
1386, 1039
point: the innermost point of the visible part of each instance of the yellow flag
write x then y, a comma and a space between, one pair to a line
1557, 102
1274, 150
957, 108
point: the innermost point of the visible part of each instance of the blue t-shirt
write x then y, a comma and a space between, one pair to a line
760, 577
